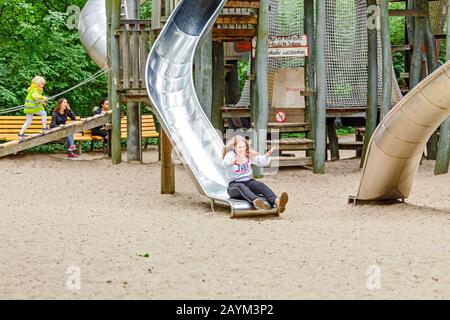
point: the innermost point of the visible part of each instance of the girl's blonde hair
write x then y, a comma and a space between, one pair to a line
231, 144
38, 80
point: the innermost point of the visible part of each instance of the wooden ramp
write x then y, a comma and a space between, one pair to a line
54, 134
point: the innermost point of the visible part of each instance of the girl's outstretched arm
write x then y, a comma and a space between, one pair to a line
229, 160
263, 161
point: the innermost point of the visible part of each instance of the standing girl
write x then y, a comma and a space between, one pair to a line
237, 160
34, 104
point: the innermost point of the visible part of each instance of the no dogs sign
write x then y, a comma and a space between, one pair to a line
280, 116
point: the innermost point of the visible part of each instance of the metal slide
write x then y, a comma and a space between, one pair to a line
396, 147
92, 31
171, 90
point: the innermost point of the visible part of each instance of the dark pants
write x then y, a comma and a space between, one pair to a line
251, 190
100, 132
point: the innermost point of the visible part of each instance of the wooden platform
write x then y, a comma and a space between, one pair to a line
237, 22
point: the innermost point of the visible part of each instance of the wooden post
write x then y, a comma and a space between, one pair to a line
108, 7
218, 85
409, 30
203, 75
260, 111
134, 145
371, 111
156, 15
167, 166
115, 72
333, 139
320, 150
387, 59
419, 34
232, 83
432, 145
444, 145
310, 72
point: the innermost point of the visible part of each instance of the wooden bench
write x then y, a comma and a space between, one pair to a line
148, 131
10, 126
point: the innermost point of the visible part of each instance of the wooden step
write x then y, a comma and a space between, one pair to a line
350, 145
292, 144
290, 127
292, 161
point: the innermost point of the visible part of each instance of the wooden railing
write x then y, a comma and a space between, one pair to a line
135, 41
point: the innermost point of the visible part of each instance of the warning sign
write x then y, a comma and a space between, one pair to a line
280, 116
293, 46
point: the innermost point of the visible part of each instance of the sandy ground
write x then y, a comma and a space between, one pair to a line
87, 229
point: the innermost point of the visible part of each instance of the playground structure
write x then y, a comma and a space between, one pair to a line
337, 82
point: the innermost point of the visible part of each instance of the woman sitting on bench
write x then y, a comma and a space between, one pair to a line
100, 131
59, 117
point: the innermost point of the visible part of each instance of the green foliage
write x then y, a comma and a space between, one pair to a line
242, 74
397, 25
146, 9
342, 131
293, 135
36, 41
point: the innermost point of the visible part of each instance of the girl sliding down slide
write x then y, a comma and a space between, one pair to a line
237, 160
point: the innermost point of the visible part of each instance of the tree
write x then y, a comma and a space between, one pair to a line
36, 41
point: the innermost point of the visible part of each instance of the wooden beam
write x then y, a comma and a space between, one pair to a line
242, 4
237, 19
408, 13
333, 139
320, 138
108, 9
218, 84
261, 109
134, 143
386, 59
310, 72
167, 165
232, 83
55, 134
233, 33
371, 111
432, 64
401, 47
156, 15
115, 75
442, 157
419, 34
